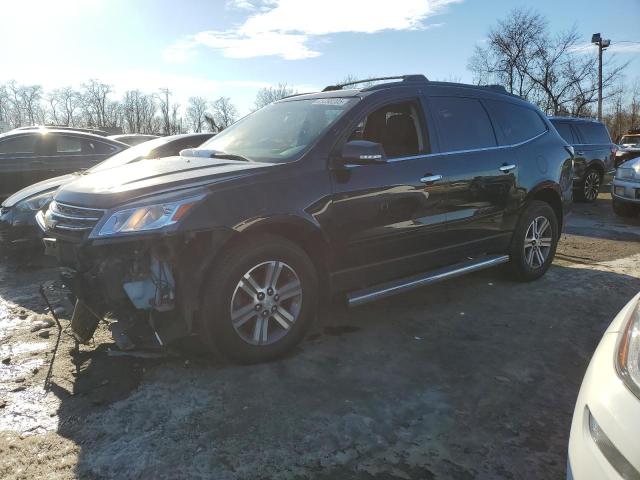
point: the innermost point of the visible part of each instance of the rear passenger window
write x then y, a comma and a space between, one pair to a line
68, 145
22, 144
516, 122
463, 124
593, 133
564, 129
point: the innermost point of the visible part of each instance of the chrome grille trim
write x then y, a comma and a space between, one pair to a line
72, 218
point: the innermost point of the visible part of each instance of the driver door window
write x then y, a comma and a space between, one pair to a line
396, 127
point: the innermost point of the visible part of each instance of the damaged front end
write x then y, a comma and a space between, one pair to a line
135, 288
145, 287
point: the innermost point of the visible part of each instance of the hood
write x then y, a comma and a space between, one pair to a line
36, 188
118, 185
633, 163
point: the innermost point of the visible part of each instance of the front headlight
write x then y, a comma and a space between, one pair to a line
627, 173
36, 202
148, 217
628, 353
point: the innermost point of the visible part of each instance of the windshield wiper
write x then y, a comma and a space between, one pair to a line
229, 156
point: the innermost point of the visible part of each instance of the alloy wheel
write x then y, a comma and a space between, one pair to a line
266, 303
591, 185
537, 242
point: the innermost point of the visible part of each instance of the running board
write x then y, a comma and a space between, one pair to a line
384, 290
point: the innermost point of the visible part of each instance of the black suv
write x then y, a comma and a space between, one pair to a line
595, 154
361, 193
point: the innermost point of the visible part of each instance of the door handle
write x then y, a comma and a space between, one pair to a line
507, 168
580, 153
431, 178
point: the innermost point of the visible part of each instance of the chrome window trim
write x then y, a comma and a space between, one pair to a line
593, 144
455, 152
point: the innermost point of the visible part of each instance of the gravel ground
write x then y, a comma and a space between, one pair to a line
473, 378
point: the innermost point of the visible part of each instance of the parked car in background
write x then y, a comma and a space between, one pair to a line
595, 154
362, 193
133, 139
30, 156
625, 190
95, 131
604, 443
628, 147
18, 226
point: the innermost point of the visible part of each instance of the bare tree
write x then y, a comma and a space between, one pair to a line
63, 104
139, 112
165, 109
196, 113
30, 96
96, 98
547, 69
269, 95
510, 48
224, 113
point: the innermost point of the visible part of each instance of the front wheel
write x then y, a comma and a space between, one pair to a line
259, 300
534, 242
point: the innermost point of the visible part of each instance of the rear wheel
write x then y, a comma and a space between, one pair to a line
534, 242
624, 209
260, 300
589, 186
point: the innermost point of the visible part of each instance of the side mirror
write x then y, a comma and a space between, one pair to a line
363, 152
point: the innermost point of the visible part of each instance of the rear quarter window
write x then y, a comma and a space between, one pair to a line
100, 148
564, 129
462, 123
594, 133
517, 123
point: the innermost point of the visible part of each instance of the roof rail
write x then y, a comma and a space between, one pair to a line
497, 88
404, 78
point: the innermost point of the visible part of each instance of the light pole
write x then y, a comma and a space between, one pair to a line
602, 45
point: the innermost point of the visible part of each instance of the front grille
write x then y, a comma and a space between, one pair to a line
69, 218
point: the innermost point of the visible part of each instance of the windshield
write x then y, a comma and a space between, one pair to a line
280, 132
630, 140
132, 154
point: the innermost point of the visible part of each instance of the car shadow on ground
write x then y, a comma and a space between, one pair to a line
472, 378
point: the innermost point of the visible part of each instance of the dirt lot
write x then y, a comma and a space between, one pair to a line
474, 378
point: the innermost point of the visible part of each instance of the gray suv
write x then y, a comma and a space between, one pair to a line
595, 154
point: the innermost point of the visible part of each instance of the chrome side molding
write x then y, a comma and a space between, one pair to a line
384, 290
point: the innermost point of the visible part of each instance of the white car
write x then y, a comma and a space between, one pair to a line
625, 192
605, 431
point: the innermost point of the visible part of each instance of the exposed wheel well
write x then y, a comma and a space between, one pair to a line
551, 197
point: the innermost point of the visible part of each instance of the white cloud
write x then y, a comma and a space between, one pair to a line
285, 28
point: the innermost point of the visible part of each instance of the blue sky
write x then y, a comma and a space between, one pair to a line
234, 47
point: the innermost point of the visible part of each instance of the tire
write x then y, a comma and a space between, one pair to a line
624, 209
589, 186
524, 261
227, 300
